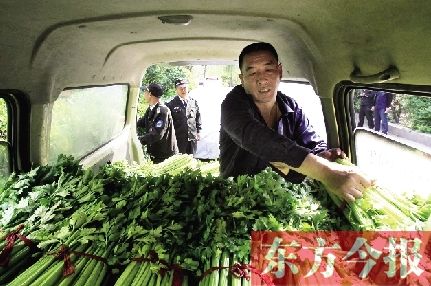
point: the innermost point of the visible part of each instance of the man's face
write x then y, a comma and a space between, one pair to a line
182, 90
147, 96
260, 76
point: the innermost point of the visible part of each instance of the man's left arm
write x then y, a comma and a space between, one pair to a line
314, 142
305, 134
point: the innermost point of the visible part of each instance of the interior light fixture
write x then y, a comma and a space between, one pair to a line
176, 19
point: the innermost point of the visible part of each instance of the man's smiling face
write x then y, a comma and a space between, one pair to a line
260, 76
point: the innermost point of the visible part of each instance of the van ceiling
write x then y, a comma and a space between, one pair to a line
52, 44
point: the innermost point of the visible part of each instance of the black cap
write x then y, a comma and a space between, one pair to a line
180, 82
155, 90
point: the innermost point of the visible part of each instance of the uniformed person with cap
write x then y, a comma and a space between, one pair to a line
186, 117
155, 128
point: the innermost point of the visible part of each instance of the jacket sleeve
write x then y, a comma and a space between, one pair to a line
238, 121
157, 129
306, 136
198, 118
141, 124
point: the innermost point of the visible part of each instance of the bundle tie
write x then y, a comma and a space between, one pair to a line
11, 238
64, 254
178, 271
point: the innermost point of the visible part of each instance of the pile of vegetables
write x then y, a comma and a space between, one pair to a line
379, 209
173, 223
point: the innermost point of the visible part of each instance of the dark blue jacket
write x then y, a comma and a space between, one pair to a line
156, 130
247, 145
383, 99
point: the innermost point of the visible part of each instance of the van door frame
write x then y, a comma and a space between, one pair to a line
18, 134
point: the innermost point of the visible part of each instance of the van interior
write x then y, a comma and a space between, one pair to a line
71, 72
52, 50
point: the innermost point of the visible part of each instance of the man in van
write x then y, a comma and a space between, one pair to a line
262, 127
186, 117
155, 128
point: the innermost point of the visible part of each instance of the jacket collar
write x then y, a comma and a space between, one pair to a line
180, 99
282, 104
154, 106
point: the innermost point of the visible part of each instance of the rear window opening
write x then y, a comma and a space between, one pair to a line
408, 116
209, 84
392, 138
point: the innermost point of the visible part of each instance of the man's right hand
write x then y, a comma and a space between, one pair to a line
332, 154
347, 182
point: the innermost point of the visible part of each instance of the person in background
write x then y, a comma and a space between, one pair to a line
396, 109
186, 118
262, 127
155, 128
382, 106
365, 110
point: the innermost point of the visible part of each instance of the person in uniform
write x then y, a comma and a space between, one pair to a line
262, 127
186, 117
382, 106
365, 110
155, 128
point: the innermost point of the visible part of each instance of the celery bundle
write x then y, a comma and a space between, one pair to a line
379, 209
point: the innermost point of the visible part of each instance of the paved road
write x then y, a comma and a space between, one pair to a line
417, 139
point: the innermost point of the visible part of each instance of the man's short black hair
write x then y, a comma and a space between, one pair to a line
257, 47
155, 89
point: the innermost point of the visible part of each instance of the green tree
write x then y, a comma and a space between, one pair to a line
417, 112
4, 160
165, 75
3, 120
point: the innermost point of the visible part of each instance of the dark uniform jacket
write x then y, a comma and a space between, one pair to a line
367, 98
187, 121
158, 132
247, 145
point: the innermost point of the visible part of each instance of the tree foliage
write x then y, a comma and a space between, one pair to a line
165, 75
418, 112
3, 120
